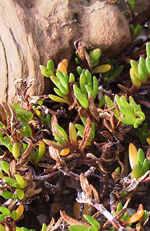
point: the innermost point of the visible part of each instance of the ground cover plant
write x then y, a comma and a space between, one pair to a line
78, 158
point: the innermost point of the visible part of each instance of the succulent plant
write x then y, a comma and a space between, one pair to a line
95, 226
139, 72
128, 113
143, 134
135, 31
138, 162
87, 85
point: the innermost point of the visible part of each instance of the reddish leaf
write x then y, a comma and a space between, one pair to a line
86, 134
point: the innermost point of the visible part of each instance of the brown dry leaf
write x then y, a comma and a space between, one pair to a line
7, 112
107, 135
148, 154
52, 222
54, 122
107, 125
95, 193
85, 186
83, 112
11, 205
56, 226
101, 167
71, 156
45, 165
81, 50
93, 110
31, 191
112, 120
54, 153
3, 115
86, 134
87, 57
116, 176
70, 220
10, 224
119, 136
11, 116
13, 119
13, 169
28, 177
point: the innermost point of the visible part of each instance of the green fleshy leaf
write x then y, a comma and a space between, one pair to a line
79, 70
20, 180
137, 31
55, 80
126, 112
16, 151
47, 73
71, 78
57, 99
116, 73
92, 221
140, 156
2, 217
62, 89
7, 195
142, 73
14, 215
101, 69
10, 181
95, 54
89, 90
64, 81
145, 166
4, 210
148, 65
82, 82
50, 65
62, 132
44, 226
127, 120
119, 207
80, 129
125, 217
82, 100
20, 193
41, 151
148, 49
4, 165
2, 228
24, 229
95, 87
125, 103
77, 228
88, 77
58, 92
136, 172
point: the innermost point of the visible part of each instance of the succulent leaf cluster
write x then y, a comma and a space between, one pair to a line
138, 162
139, 72
143, 134
113, 73
128, 113
140, 214
95, 226
87, 85
135, 31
